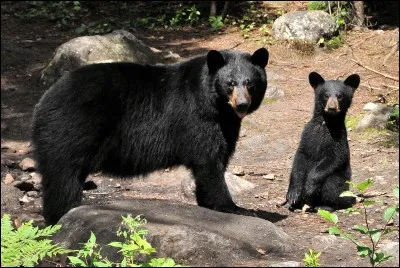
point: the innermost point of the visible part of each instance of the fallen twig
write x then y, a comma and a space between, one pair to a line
392, 51
372, 70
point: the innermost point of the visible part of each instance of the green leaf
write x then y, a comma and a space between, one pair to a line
101, 264
389, 213
364, 185
334, 230
353, 210
381, 257
396, 192
116, 244
375, 234
328, 216
76, 261
363, 250
369, 202
361, 229
347, 193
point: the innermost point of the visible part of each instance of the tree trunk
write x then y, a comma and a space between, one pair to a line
225, 10
213, 9
359, 13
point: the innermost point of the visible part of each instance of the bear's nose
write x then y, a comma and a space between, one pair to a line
242, 107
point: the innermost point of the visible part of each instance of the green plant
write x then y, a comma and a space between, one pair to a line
393, 121
216, 23
265, 29
246, 28
25, 245
185, 15
134, 243
317, 5
372, 252
352, 121
62, 12
335, 42
340, 12
311, 259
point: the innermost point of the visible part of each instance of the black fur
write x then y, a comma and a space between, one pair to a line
321, 165
128, 119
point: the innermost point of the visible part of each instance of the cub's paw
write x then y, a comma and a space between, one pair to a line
293, 197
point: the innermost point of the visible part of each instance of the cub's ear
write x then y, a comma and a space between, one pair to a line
352, 81
260, 57
215, 60
315, 79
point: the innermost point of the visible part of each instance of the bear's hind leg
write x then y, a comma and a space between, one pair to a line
62, 191
330, 194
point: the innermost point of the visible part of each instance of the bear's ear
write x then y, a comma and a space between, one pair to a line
215, 60
352, 81
315, 79
260, 57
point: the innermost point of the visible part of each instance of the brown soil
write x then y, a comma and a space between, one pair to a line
269, 137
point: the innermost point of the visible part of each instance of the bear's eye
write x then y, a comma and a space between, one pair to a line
339, 96
248, 83
326, 96
231, 85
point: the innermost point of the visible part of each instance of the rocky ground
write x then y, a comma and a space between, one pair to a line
268, 140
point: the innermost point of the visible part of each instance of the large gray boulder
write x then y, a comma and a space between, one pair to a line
189, 234
118, 46
376, 117
304, 25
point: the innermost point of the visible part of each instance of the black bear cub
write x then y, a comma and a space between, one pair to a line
127, 119
321, 164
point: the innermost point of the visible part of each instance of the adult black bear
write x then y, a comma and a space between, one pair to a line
128, 119
321, 164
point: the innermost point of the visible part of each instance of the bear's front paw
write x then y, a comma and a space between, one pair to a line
293, 197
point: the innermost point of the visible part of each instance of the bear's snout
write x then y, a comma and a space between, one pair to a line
332, 105
240, 101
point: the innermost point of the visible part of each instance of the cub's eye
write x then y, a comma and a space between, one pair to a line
339, 96
248, 83
326, 96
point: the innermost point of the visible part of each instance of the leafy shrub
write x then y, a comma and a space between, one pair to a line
25, 246
317, 5
372, 252
184, 15
134, 243
216, 23
312, 259
393, 121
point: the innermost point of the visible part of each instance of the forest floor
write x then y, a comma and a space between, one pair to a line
269, 137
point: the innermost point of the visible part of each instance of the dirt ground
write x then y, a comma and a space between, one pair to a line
269, 136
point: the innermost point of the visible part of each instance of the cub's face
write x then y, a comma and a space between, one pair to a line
240, 78
333, 97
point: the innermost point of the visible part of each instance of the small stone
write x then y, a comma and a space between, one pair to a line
269, 176
27, 164
24, 177
25, 199
172, 55
36, 178
238, 170
8, 178
32, 194
287, 264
